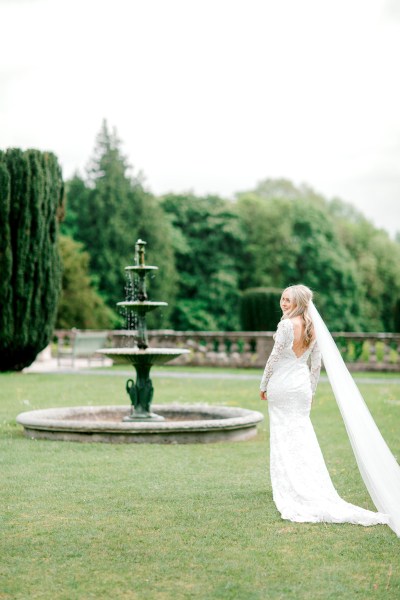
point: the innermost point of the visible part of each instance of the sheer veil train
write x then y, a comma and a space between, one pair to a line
377, 465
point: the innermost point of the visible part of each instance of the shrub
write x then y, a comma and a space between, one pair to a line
259, 309
397, 316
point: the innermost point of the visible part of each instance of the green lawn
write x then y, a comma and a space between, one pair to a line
247, 371
97, 521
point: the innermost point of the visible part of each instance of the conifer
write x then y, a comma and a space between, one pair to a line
31, 196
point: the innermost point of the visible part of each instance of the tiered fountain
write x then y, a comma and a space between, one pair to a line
171, 423
142, 357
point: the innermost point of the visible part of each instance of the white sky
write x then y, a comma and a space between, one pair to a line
213, 95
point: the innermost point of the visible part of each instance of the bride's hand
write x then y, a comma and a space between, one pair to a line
263, 395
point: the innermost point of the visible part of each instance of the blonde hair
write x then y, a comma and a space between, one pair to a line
302, 296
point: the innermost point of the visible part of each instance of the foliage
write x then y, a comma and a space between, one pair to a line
259, 309
209, 249
377, 259
80, 305
107, 213
291, 241
207, 245
31, 194
270, 189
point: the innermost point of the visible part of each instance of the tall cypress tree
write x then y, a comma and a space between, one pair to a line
31, 193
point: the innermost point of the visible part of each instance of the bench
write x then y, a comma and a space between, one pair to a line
82, 344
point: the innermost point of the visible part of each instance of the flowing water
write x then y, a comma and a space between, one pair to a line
131, 294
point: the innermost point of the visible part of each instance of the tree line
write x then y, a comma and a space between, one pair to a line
222, 263
210, 250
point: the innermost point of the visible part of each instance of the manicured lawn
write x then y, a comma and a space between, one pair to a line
98, 521
247, 371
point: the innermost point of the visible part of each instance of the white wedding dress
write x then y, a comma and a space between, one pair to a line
301, 485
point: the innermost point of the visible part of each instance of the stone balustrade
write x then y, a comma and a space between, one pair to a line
361, 351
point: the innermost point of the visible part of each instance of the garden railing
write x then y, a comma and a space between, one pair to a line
361, 351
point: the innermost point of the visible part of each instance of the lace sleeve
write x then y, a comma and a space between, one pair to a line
315, 367
283, 338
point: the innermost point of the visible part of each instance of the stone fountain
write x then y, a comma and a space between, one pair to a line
170, 423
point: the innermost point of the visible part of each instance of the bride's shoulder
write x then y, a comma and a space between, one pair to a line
285, 325
296, 322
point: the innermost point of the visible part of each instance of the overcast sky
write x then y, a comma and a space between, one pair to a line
213, 95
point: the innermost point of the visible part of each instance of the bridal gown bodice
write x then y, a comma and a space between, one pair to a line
301, 485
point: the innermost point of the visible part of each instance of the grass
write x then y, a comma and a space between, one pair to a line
86, 521
253, 371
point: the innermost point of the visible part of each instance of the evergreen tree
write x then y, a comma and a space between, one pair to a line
31, 194
108, 212
76, 197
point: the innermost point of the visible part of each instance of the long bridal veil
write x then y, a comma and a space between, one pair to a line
378, 467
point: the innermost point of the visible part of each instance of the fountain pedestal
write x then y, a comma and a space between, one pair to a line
141, 394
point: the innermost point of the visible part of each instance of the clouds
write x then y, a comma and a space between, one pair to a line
212, 95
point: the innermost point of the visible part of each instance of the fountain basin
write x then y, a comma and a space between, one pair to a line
183, 424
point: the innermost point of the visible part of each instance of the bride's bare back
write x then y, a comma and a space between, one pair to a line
298, 333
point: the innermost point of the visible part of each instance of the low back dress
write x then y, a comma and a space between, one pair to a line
302, 488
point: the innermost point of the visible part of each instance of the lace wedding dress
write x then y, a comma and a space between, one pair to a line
301, 485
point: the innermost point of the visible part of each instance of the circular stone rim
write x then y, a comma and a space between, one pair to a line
222, 418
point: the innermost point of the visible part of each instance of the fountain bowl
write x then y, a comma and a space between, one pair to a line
147, 356
182, 424
141, 307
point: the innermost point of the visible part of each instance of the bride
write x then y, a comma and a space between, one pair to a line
302, 488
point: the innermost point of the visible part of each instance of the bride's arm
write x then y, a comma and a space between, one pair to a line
282, 340
315, 367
